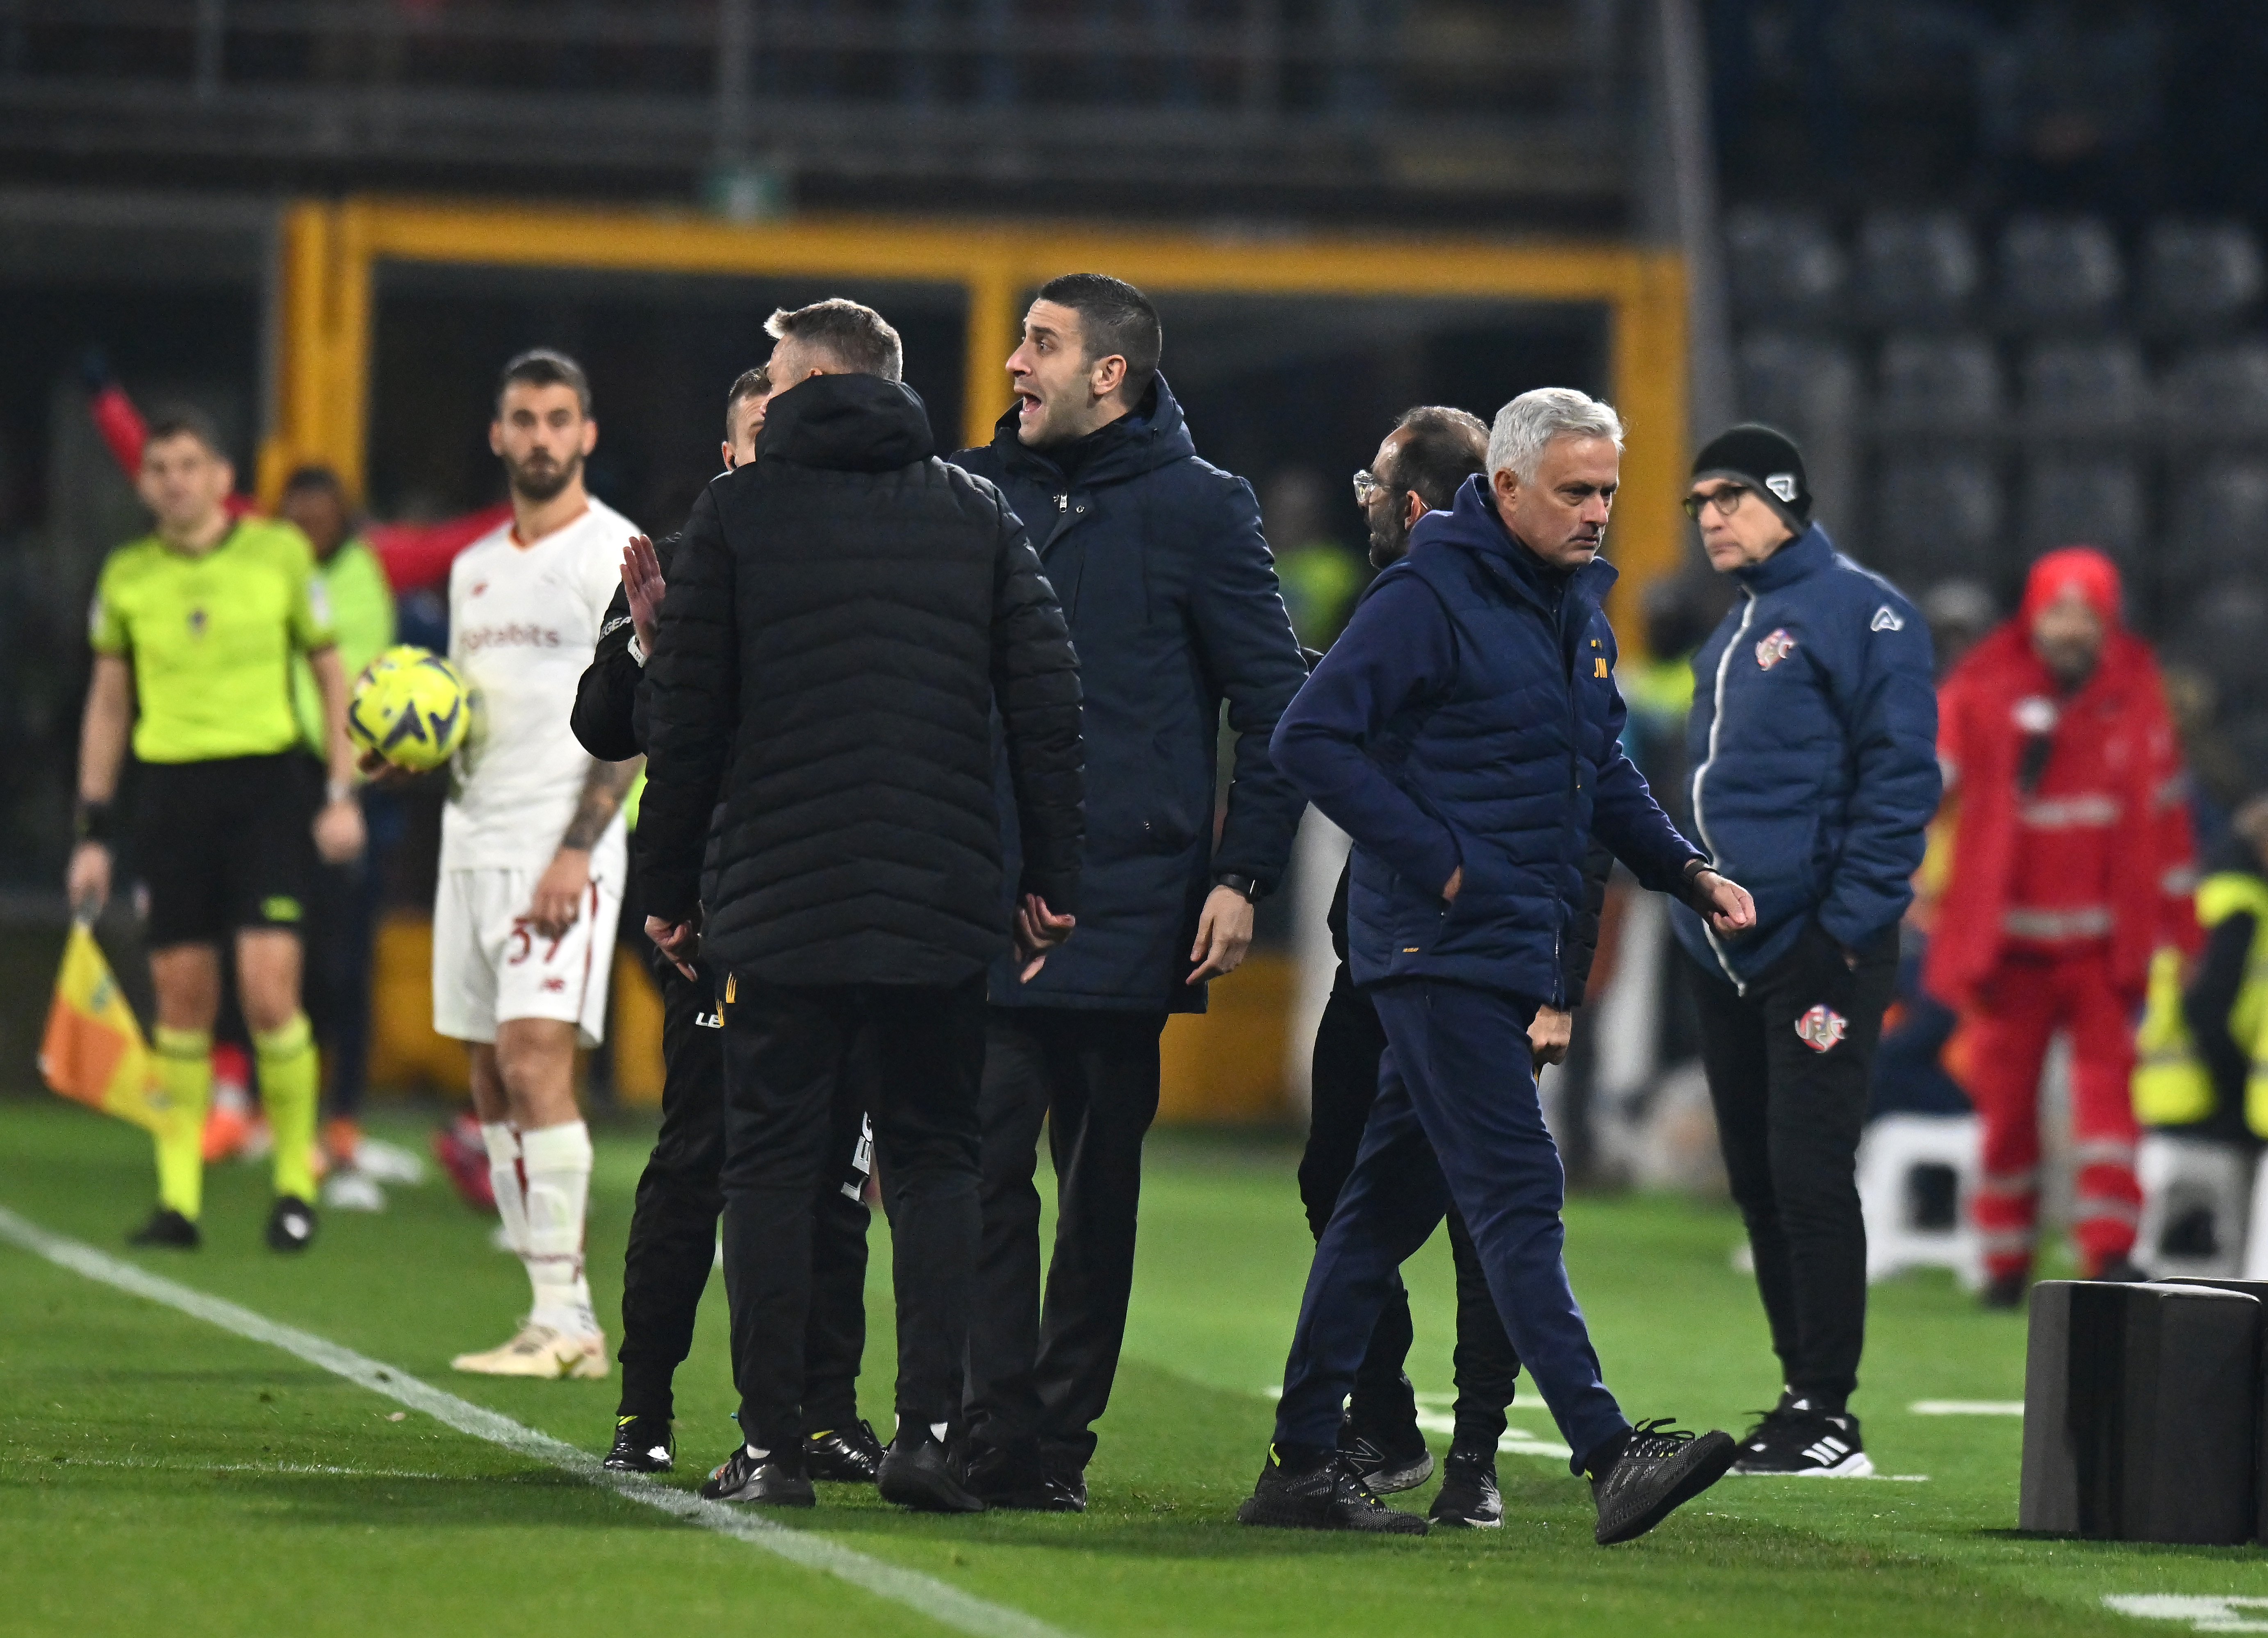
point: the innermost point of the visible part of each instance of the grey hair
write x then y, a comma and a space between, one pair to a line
1529, 423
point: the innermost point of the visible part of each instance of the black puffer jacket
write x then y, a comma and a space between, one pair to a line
1171, 594
844, 612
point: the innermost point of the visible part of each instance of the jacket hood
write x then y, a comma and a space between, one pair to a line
847, 423
1805, 556
1473, 525
1154, 435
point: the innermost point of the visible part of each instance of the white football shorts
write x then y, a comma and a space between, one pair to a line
489, 963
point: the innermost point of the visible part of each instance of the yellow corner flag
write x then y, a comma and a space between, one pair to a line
93, 1049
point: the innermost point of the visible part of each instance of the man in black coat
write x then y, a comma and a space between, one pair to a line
1171, 596
673, 1222
843, 618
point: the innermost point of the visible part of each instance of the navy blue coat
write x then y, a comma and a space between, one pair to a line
1166, 579
1814, 747
1468, 718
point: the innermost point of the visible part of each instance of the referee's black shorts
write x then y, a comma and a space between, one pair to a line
226, 845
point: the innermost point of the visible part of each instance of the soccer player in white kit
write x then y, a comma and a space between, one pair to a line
533, 856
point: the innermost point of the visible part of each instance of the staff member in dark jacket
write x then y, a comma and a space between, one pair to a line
672, 1235
1464, 730
1814, 745
846, 615
1171, 596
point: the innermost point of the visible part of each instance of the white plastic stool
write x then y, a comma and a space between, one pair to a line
2256, 1238
1893, 1149
2180, 1176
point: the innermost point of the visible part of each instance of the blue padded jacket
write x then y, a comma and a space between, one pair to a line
1814, 747
1468, 718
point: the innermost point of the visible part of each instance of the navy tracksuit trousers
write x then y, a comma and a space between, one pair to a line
1457, 1120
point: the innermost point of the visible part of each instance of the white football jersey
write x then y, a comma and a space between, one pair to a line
523, 620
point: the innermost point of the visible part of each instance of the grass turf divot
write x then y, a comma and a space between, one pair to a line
941, 1602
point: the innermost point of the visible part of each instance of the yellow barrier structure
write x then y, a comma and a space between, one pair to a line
332, 251
1227, 1065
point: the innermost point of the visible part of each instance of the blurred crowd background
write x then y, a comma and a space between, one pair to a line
1996, 263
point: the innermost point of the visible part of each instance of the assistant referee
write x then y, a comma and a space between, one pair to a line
194, 628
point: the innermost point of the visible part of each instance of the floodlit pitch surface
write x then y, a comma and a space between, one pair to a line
160, 1472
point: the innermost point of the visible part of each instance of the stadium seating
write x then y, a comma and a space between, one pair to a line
1914, 269
2197, 277
1786, 266
1913, 1220
2058, 273
2194, 1199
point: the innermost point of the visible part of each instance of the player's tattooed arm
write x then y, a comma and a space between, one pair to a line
603, 789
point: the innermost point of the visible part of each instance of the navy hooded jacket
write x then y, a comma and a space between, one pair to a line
1814, 747
1166, 579
1468, 718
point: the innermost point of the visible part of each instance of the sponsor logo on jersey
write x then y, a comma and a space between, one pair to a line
554, 986
1887, 619
478, 586
514, 635
2035, 713
1821, 1028
1771, 650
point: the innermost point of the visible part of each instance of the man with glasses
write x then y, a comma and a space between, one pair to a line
1814, 746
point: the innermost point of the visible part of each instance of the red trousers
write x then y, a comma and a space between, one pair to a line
2004, 1044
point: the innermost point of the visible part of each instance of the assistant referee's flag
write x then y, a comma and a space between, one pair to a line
93, 1051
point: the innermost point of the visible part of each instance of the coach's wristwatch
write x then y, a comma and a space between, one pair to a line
1243, 886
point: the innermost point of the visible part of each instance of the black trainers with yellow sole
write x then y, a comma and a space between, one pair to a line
643, 1444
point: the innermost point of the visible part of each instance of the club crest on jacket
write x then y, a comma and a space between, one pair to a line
1771, 650
1821, 1028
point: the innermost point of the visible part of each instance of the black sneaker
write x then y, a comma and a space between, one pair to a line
2007, 1291
1325, 1495
1022, 1482
1387, 1460
767, 1479
1795, 1441
913, 1474
168, 1228
1467, 1499
642, 1445
290, 1225
1661, 1469
846, 1456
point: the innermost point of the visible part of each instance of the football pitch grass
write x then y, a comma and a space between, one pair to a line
160, 1473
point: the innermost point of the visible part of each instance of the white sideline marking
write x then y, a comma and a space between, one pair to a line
2204, 1613
239, 1467
947, 1605
1967, 1407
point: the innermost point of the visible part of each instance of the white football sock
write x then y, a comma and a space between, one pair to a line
557, 1162
503, 1145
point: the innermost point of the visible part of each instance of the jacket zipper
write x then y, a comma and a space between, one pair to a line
1701, 774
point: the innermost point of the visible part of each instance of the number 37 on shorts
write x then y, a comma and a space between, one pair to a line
491, 964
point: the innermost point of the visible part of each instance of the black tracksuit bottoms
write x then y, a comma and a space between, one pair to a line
790, 1094
1039, 1379
673, 1240
1349, 1043
1789, 1113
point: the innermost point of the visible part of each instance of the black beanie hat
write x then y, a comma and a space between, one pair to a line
1768, 462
